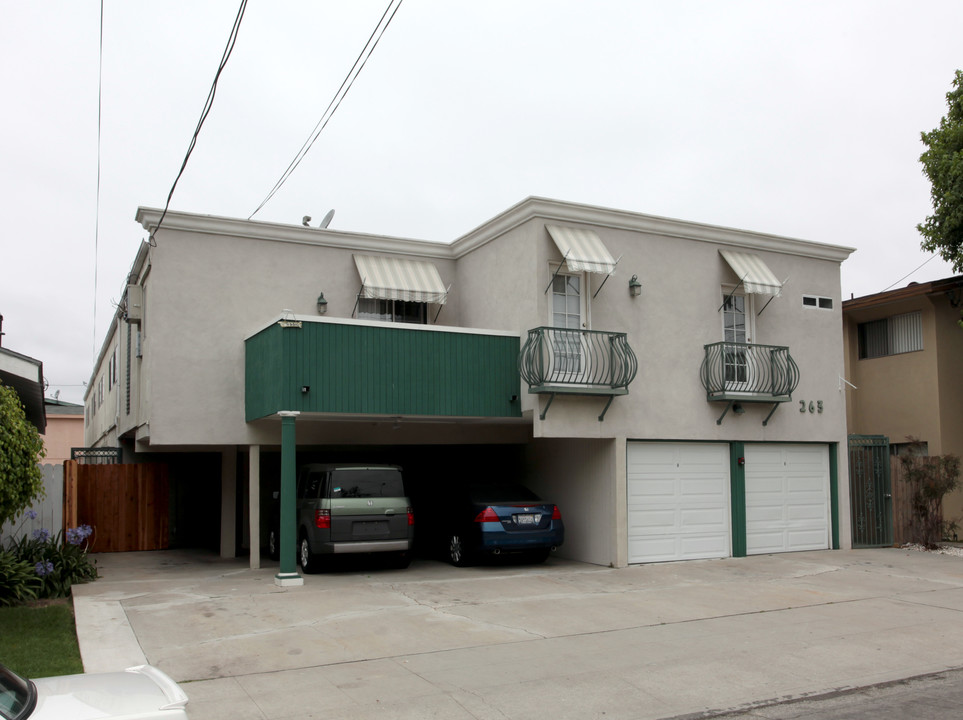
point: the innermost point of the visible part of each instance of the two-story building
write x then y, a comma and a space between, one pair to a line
903, 350
672, 386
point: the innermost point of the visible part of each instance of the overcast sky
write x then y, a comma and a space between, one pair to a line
793, 118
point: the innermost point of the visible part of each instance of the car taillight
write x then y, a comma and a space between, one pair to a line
322, 519
556, 515
411, 516
487, 515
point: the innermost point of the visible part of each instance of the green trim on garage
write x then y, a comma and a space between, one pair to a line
737, 485
834, 493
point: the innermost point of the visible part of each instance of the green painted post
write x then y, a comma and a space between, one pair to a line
834, 492
288, 574
737, 488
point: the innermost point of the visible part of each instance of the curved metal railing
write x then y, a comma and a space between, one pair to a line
761, 372
589, 359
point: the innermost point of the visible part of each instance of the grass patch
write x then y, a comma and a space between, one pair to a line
40, 639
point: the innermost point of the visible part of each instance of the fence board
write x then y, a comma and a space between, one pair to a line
49, 510
126, 505
902, 505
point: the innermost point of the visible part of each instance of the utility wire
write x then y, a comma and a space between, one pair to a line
346, 84
228, 49
100, 104
908, 274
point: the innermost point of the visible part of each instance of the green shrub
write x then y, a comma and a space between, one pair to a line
18, 580
55, 564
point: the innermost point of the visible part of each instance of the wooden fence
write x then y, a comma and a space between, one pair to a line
126, 505
49, 510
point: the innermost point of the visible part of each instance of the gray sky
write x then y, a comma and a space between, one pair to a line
793, 118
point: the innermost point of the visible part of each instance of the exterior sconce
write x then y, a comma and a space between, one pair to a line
322, 304
635, 287
738, 409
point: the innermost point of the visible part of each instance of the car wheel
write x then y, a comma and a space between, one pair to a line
306, 559
274, 542
457, 551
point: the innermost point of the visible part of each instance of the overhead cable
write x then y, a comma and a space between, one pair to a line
346, 84
228, 49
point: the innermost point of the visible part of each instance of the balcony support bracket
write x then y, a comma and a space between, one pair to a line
551, 398
728, 408
766, 421
606, 408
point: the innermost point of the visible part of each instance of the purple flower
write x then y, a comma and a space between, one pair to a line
41, 534
77, 535
44, 567
32, 514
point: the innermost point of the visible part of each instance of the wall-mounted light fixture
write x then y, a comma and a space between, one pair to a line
322, 304
305, 389
635, 287
738, 409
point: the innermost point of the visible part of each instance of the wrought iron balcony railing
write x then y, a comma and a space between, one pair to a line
586, 362
749, 373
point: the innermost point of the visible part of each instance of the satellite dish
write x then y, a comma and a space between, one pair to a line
327, 219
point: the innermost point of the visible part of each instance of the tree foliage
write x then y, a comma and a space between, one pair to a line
943, 165
21, 448
930, 478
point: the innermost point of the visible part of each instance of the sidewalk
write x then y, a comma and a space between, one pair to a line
560, 640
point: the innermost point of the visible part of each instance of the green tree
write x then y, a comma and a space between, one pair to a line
21, 448
943, 165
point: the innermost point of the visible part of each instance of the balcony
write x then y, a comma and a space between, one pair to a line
577, 362
742, 372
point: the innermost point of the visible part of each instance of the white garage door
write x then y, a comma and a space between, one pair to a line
787, 498
678, 501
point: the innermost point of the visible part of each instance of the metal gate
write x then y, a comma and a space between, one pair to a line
870, 491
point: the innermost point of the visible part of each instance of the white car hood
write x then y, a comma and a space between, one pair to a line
140, 692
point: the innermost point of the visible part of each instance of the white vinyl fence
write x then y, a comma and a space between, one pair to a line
50, 510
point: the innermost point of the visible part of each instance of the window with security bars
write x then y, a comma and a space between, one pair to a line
890, 336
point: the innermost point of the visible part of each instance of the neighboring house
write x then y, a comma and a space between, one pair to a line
25, 376
65, 430
658, 379
903, 355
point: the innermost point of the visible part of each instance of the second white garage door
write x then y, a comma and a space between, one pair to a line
678, 501
787, 498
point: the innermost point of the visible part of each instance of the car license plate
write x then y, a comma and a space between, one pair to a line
527, 519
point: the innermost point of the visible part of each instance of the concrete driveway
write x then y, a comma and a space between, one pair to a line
563, 639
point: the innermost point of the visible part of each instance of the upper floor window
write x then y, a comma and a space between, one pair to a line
890, 336
815, 301
393, 310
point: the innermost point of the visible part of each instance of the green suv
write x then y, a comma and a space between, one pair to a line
352, 509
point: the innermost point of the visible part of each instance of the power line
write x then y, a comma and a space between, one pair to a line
228, 49
346, 84
908, 274
100, 106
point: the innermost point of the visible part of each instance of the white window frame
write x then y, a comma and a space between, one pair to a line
819, 302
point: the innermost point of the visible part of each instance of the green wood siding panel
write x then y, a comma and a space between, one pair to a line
361, 369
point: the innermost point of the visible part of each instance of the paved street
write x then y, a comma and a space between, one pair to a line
563, 639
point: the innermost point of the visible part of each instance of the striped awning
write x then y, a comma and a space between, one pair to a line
755, 275
582, 249
387, 278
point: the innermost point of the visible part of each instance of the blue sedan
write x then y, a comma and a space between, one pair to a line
501, 518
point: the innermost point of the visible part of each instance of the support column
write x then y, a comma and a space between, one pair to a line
254, 504
228, 503
288, 574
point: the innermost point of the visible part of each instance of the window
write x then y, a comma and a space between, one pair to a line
567, 315
393, 311
890, 336
815, 301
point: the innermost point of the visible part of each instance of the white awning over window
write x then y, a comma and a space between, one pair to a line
752, 270
385, 278
582, 249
